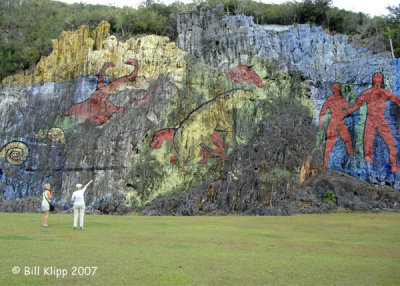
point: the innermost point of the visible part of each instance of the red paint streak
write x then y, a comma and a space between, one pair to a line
246, 74
173, 159
336, 127
98, 109
376, 98
216, 138
161, 136
148, 96
207, 152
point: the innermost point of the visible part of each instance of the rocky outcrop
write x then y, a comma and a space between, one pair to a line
27, 204
320, 59
220, 41
212, 199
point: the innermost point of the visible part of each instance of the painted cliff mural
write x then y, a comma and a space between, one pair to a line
145, 118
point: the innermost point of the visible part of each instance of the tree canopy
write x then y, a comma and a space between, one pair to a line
27, 26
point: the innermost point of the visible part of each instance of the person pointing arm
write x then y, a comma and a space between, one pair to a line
79, 203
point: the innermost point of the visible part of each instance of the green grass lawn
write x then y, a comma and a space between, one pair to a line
329, 249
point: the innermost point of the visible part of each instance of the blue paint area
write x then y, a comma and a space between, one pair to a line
396, 64
24, 180
49, 156
85, 85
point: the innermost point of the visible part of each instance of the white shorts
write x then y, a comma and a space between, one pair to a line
45, 206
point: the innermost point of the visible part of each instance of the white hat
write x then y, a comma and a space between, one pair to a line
79, 186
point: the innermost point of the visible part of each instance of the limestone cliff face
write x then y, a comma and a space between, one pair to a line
320, 60
143, 118
226, 114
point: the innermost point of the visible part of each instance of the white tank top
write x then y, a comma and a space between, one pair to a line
78, 197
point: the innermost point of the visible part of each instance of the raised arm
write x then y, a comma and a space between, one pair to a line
357, 105
87, 185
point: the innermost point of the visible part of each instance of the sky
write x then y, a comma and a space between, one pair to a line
371, 7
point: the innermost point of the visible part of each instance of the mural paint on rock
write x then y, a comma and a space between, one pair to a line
197, 134
15, 152
336, 128
55, 134
245, 74
376, 98
373, 125
155, 171
202, 151
98, 109
48, 159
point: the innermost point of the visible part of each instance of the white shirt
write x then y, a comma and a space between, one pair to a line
78, 196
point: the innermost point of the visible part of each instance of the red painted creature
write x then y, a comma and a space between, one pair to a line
206, 152
218, 142
376, 98
98, 109
336, 127
245, 73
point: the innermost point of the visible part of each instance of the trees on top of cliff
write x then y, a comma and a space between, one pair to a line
364, 30
393, 28
27, 26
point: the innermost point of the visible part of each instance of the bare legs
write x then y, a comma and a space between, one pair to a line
46, 216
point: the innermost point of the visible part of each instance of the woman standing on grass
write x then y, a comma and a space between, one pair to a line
46, 203
79, 203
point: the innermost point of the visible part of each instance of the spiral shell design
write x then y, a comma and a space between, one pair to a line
15, 152
56, 134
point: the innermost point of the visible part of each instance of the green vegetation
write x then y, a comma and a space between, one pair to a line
329, 196
329, 249
27, 26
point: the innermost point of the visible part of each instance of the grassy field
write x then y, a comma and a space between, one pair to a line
329, 249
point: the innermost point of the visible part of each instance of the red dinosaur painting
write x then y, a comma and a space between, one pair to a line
247, 74
98, 109
336, 103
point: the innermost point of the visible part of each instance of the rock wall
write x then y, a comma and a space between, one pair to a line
78, 115
226, 116
142, 118
320, 60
